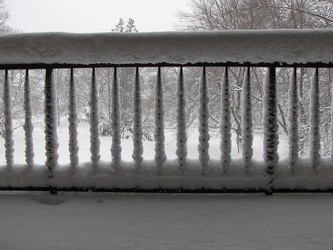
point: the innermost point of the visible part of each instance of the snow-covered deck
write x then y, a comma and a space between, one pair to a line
230, 48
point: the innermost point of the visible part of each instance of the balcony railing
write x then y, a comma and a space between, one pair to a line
249, 49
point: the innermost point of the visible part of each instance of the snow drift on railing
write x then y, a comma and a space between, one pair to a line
263, 46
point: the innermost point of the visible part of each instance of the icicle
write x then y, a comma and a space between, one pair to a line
94, 121
72, 127
314, 151
293, 121
225, 126
51, 138
247, 124
181, 151
159, 137
271, 139
115, 122
137, 122
8, 125
28, 126
204, 136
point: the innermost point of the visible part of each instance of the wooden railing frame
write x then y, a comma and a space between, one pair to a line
270, 156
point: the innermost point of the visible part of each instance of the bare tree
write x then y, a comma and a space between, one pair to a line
262, 14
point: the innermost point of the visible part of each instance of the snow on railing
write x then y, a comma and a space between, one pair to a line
271, 49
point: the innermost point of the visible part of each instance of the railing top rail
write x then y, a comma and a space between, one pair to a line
238, 48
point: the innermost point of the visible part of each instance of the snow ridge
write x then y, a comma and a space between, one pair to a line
314, 150
72, 127
271, 138
8, 126
293, 137
137, 122
51, 137
160, 156
247, 124
28, 126
181, 150
115, 123
204, 136
225, 126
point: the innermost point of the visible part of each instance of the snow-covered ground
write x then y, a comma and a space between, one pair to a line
160, 221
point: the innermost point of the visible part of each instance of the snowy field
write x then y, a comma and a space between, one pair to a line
158, 221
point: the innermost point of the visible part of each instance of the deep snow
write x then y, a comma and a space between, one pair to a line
134, 221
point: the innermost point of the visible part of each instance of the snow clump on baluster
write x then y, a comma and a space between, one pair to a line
72, 126
51, 137
115, 123
137, 123
314, 151
247, 124
204, 136
94, 121
8, 124
28, 126
181, 151
271, 138
160, 156
225, 126
293, 137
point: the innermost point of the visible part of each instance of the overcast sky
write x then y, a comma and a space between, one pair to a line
91, 15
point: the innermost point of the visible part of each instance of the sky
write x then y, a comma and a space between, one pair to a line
88, 16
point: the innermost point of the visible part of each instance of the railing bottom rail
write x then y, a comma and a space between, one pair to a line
55, 191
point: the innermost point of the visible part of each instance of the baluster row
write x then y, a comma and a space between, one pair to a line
270, 122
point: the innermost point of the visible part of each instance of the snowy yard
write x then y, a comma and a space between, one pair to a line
158, 221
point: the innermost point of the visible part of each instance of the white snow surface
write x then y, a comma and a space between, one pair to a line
255, 46
135, 221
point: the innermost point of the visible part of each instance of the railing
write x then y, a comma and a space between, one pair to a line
250, 49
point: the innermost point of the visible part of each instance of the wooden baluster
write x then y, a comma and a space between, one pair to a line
225, 125
181, 150
314, 150
203, 147
115, 123
137, 122
247, 123
94, 121
271, 138
160, 156
72, 126
51, 137
293, 137
28, 126
8, 123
